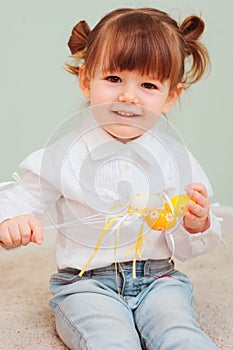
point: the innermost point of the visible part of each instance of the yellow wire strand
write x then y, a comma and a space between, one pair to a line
105, 230
137, 248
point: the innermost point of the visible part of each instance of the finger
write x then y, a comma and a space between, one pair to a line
8, 247
189, 218
5, 238
37, 233
191, 222
15, 234
194, 224
197, 210
200, 200
25, 230
198, 187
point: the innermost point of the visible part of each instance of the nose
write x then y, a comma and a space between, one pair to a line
129, 95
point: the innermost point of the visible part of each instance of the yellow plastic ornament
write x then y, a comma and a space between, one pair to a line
180, 204
143, 201
159, 220
154, 209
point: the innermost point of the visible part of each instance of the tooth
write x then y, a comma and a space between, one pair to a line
127, 114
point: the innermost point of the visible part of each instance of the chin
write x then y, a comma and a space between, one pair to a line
124, 133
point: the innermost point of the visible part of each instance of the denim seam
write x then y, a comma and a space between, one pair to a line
76, 329
123, 277
146, 340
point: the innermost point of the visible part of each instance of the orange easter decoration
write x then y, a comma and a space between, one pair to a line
180, 204
159, 220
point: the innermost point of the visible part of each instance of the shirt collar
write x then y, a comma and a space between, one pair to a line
102, 145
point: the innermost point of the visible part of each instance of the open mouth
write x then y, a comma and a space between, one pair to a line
126, 114
126, 111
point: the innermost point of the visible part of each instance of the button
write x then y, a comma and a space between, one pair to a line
125, 167
149, 242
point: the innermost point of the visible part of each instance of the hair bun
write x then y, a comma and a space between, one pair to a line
78, 38
192, 27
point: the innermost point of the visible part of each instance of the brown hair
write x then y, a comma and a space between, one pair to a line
146, 40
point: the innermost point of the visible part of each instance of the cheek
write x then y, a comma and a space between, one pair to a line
159, 105
99, 96
153, 101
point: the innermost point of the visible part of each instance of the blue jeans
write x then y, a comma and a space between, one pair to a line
107, 311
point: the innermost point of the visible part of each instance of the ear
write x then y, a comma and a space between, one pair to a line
173, 97
84, 82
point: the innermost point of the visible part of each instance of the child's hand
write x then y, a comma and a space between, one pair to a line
20, 230
196, 218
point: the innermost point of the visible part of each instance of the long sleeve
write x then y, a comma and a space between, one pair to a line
36, 191
26, 197
181, 243
186, 246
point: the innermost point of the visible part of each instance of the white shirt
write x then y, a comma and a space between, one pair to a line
87, 172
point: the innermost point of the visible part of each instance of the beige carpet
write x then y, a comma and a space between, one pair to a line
26, 321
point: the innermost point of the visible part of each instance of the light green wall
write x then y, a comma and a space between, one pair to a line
37, 95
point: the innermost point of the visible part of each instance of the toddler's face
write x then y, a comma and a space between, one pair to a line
132, 103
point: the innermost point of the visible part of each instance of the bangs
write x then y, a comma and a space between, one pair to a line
137, 42
145, 40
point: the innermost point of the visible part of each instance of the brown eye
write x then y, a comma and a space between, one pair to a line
149, 86
113, 79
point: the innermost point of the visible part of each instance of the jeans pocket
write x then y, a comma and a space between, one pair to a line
165, 272
62, 279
